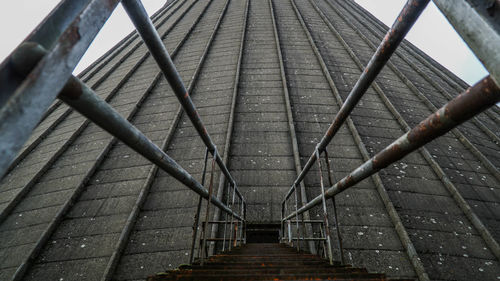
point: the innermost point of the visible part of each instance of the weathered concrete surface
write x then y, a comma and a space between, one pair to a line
75, 187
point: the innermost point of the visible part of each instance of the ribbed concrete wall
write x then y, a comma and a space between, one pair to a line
78, 205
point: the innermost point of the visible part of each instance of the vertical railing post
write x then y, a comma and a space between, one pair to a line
285, 226
231, 225
225, 218
335, 217
204, 252
322, 243
242, 222
282, 222
325, 212
198, 209
297, 218
245, 219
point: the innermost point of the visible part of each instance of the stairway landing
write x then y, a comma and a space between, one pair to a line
267, 261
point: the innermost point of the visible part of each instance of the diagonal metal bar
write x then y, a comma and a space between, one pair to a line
391, 41
479, 97
84, 100
26, 104
146, 29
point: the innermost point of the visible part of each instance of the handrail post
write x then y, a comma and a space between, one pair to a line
322, 233
282, 221
289, 226
204, 251
242, 222
225, 218
245, 219
232, 220
325, 212
297, 218
335, 217
285, 226
198, 209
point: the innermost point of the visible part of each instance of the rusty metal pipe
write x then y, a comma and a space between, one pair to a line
198, 210
476, 99
25, 98
146, 29
391, 41
77, 95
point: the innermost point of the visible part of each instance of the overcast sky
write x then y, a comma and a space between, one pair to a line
434, 35
431, 33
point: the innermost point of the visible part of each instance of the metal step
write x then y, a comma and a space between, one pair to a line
267, 261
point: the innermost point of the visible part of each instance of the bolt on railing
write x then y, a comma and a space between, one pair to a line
39, 71
482, 34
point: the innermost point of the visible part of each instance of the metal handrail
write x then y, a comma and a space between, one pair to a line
394, 36
66, 36
473, 101
476, 99
146, 29
53, 50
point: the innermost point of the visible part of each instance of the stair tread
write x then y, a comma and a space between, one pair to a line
268, 261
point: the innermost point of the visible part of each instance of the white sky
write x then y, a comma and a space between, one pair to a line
431, 33
15, 26
434, 35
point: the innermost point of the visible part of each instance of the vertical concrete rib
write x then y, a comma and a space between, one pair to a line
36, 174
158, 76
131, 220
395, 219
70, 195
230, 125
486, 235
160, 237
445, 181
291, 126
261, 152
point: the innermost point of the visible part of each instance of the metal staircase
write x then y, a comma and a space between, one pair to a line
267, 261
39, 71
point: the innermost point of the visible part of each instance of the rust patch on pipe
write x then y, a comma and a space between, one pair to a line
387, 156
475, 99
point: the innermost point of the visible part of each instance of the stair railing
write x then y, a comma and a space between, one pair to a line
480, 32
39, 71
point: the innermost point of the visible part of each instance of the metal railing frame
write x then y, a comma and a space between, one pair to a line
39, 71
482, 36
